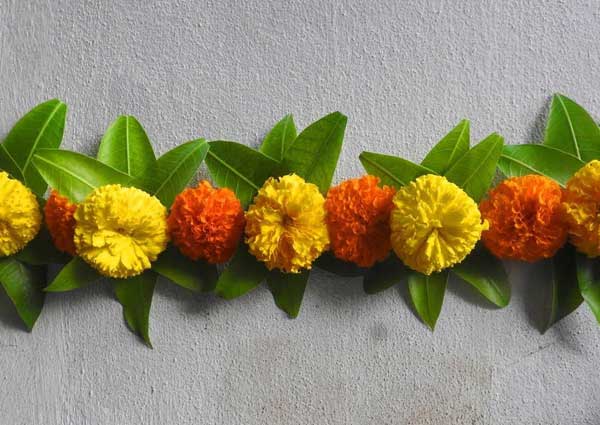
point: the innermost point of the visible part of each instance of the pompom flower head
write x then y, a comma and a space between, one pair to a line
20, 216
358, 216
285, 226
58, 214
434, 224
206, 223
120, 230
581, 209
524, 215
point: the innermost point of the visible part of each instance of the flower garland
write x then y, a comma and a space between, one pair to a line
127, 218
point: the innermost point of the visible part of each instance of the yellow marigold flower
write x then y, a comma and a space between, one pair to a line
285, 227
120, 230
434, 224
20, 216
580, 207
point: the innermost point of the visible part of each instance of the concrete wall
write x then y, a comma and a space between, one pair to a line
405, 73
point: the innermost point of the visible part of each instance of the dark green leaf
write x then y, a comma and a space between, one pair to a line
288, 290
279, 138
75, 175
427, 294
475, 170
243, 273
24, 284
588, 277
8, 164
74, 275
197, 276
41, 251
42, 127
384, 275
391, 170
449, 150
329, 262
315, 152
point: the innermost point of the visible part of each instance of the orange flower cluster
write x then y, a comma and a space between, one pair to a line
58, 213
524, 214
206, 223
358, 213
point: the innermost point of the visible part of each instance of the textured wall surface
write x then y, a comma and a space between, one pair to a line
404, 73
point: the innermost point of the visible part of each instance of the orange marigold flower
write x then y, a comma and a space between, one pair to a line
358, 214
58, 213
206, 223
524, 214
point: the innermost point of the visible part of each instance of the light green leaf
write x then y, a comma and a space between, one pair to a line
520, 160
243, 273
135, 295
330, 263
449, 150
74, 275
197, 276
427, 294
24, 284
75, 175
571, 129
126, 147
588, 277
475, 170
279, 138
391, 170
288, 290
239, 168
41, 251
315, 152
384, 275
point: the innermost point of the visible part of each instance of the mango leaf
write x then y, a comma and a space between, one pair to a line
571, 129
42, 127
385, 274
8, 164
588, 277
427, 294
279, 138
315, 152
41, 251
197, 276
74, 275
391, 170
486, 273
135, 295
243, 273
330, 263
126, 147
75, 175
24, 284
475, 170
520, 160
288, 290
239, 168
449, 150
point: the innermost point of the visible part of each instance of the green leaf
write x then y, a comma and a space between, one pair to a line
42, 127
486, 273
75, 175
243, 274
588, 277
279, 138
391, 170
239, 168
24, 284
571, 129
520, 160
427, 294
315, 152
449, 150
475, 170
288, 290
135, 295
330, 263
385, 274
74, 275
8, 164
197, 276
41, 251
126, 147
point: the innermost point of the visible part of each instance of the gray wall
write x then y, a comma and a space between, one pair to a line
405, 73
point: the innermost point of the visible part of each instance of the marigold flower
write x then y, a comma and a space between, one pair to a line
525, 218
285, 226
58, 214
358, 220
206, 223
434, 224
120, 230
580, 207
20, 216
